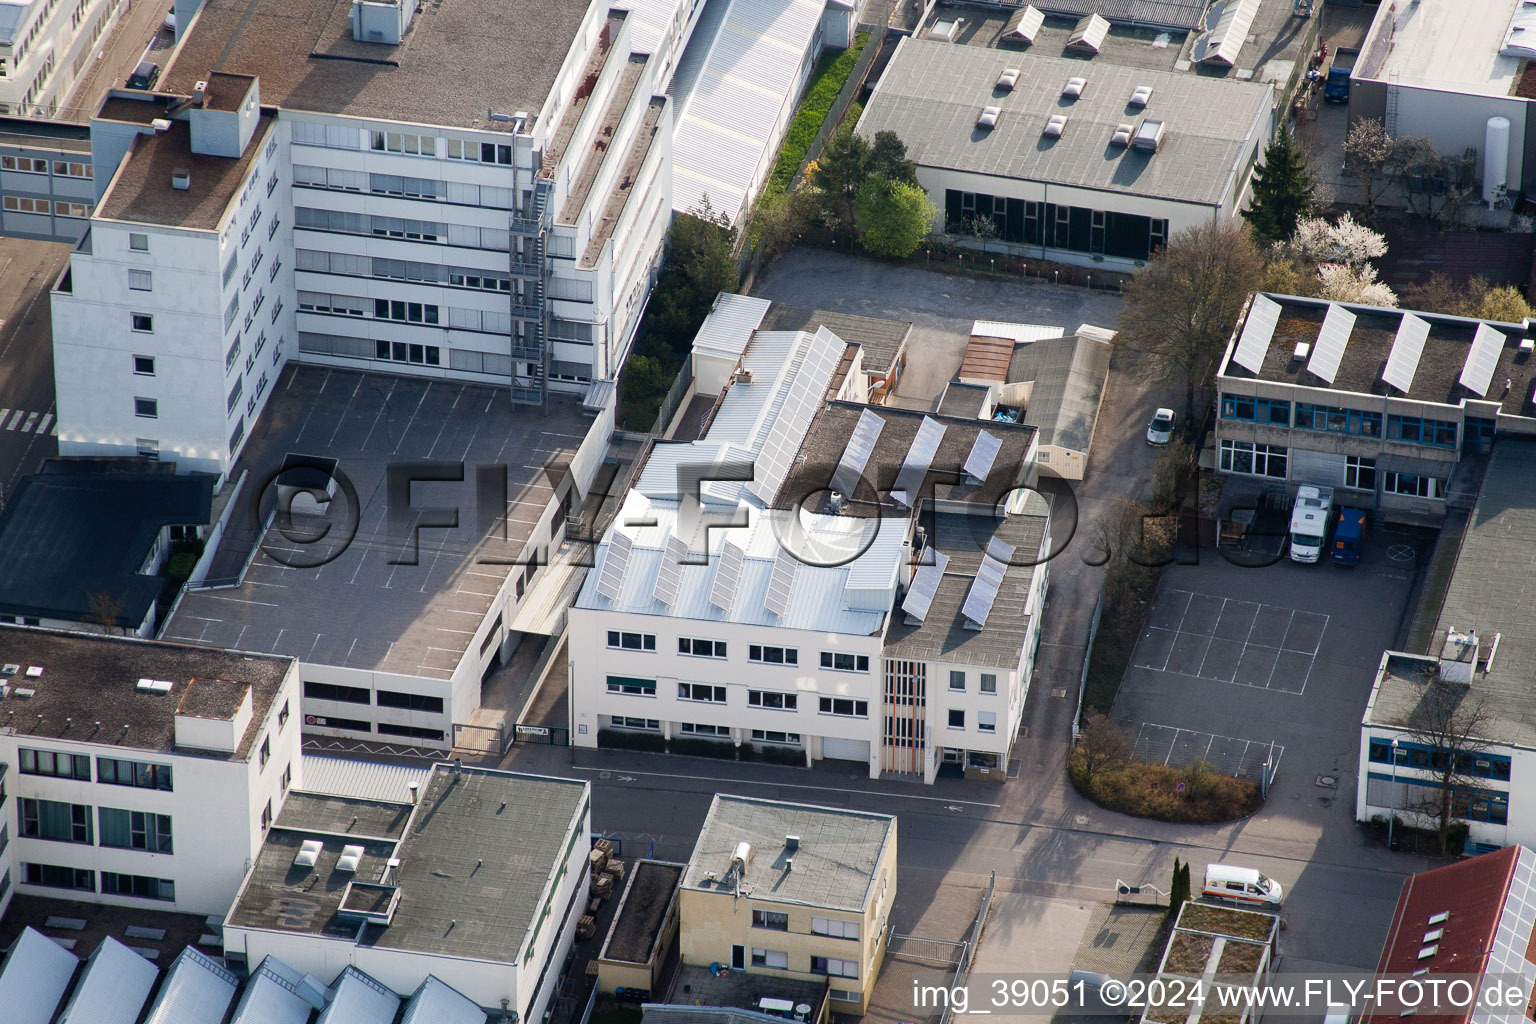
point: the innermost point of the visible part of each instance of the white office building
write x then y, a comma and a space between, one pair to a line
45, 47
775, 589
138, 773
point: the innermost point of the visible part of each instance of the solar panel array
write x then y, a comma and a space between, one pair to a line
810, 372
925, 583
909, 481
1252, 347
984, 451
1338, 325
989, 577
850, 468
669, 577
1482, 359
727, 576
1407, 347
611, 577
781, 582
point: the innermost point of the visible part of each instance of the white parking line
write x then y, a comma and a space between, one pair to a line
1247, 643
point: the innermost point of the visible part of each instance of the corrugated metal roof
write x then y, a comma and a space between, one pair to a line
1014, 332
197, 990
437, 1002
270, 998
729, 326
649, 22
1183, 14
728, 130
932, 92
364, 780
33, 980
113, 988
600, 395
360, 999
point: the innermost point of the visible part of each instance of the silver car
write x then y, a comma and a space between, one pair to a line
1160, 430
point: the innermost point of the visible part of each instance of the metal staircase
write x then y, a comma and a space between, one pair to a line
529, 309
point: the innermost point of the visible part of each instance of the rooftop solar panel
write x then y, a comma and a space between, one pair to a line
850, 468
1403, 363
1482, 358
722, 592
983, 452
925, 583
669, 577
1263, 314
989, 577
611, 576
1331, 342
909, 481
781, 582
811, 372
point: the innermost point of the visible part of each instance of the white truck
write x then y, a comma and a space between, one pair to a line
1309, 522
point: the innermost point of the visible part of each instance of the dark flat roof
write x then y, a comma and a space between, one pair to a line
881, 340
1370, 344
81, 529
360, 611
458, 58
94, 680
636, 927
142, 191
102, 920
212, 698
319, 812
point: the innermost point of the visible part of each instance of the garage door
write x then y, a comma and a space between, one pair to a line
845, 750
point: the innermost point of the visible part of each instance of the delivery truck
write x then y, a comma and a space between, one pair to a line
1309, 522
1348, 535
1336, 88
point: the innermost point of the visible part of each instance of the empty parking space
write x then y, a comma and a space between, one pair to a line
1229, 755
1231, 641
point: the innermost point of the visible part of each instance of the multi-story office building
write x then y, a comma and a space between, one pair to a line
785, 890
44, 47
448, 192
1381, 403
139, 773
46, 191
776, 586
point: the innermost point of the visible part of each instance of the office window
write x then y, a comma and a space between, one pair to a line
772, 700
1413, 485
282, 716
770, 919
68, 169
407, 312
60, 766
407, 144
1253, 459
146, 408
1419, 430
988, 682
141, 280
1359, 473
71, 209
845, 707
835, 967
112, 771
791, 739
704, 730
640, 724
700, 648
632, 686
56, 876
765, 655
986, 721
51, 819
140, 886
144, 366
138, 242
631, 641
776, 958
415, 732
135, 830
701, 691
1260, 410
288, 775
266, 815
956, 679
144, 323
331, 691
408, 701
841, 662
956, 718
266, 751
837, 929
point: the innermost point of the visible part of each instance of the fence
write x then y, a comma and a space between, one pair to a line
840, 105
669, 404
963, 968
1082, 680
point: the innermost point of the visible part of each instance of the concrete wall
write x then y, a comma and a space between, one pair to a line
1457, 121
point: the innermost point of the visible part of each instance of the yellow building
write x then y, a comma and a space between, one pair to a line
791, 891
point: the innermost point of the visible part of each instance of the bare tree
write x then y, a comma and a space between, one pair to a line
104, 610
1436, 186
1128, 531
1180, 310
1367, 153
1102, 746
1451, 721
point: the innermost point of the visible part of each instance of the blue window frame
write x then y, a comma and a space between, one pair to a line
1418, 430
1260, 410
1467, 803
1418, 755
1338, 421
1477, 430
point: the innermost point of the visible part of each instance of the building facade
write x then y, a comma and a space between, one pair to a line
46, 191
161, 802
44, 47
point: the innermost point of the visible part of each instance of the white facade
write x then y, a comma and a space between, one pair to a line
45, 45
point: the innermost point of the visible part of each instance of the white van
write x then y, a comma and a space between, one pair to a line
1241, 885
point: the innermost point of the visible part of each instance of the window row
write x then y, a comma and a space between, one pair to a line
1080, 229
464, 235
1419, 430
716, 694
1418, 755
404, 186
774, 920
367, 348
71, 823
1259, 410
23, 204
362, 695
1360, 422
779, 959
986, 721
1254, 459
113, 883
402, 270
988, 683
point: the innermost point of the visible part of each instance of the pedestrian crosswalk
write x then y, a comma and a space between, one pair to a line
28, 422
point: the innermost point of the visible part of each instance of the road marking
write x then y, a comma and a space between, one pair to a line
31, 422
43, 428
15, 420
794, 785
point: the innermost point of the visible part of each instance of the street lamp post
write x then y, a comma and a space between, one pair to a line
1392, 817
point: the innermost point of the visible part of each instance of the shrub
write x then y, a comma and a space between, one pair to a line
180, 567
781, 755
618, 739
827, 81
1153, 791
702, 748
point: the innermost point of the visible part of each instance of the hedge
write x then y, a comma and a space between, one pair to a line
826, 82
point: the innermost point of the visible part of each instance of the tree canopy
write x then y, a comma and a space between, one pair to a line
1282, 190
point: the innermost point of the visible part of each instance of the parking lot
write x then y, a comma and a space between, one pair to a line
1231, 640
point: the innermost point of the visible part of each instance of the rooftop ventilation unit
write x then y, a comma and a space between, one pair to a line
1527, 346
1074, 87
34, 671
1141, 96
1022, 25
791, 842
947, 30
351, 857
1148, 137
1303, 349
1008, 79
181, 179
161, 124
160, 686
9, 669
24, 692
1089, 34
988, 117
1123, 134
1055, 126
308, 853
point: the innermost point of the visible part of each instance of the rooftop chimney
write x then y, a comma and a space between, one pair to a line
414, 786
791, 843
181, 179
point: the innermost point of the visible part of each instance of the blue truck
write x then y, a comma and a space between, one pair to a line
1348, 536
1336, 88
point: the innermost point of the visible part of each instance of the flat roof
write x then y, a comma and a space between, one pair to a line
88, 691
1183, 14
933, 91
102, 920
942, 634
1436, 379
306, 58
82, 529
964, 400
836, 858
475, 852
636, 927
142, 192
882, 341
1442, 44
359, 610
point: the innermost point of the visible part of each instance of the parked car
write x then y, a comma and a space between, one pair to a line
1240, 885
1160, 430
144, 76
170, 19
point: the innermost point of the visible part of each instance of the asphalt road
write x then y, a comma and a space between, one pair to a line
27, 271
